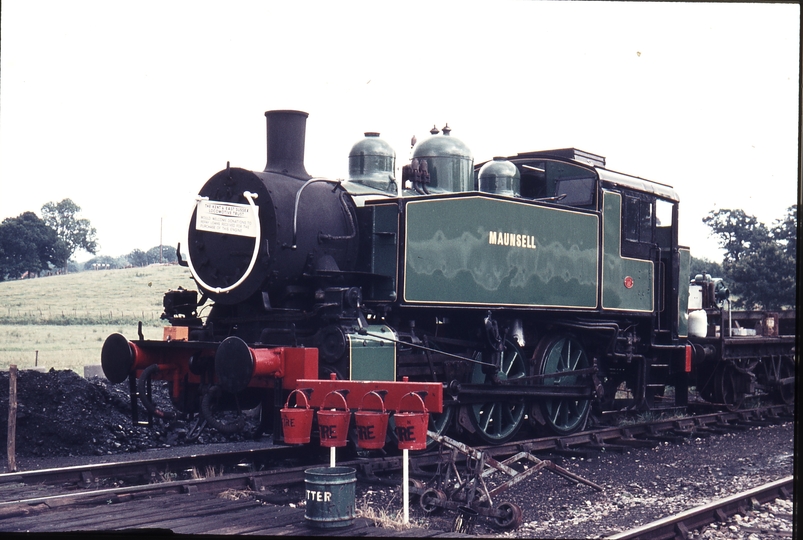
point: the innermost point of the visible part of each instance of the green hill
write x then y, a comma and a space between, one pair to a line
92, 297
62, 321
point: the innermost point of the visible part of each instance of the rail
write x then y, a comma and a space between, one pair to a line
679, 525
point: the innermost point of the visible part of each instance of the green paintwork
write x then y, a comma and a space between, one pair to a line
450, 256
372, 358
382, 250
564, 353
331, 497
683, 292
496, 422
372, 162
500, 177
615, 268
449, 162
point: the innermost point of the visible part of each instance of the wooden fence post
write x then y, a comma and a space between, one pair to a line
12, 418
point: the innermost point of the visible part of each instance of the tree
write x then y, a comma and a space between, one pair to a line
76, 233
785, 231
703, 265
759, 262
105, 262
168, 255
138, 258
738, 232
764, 278
28, 244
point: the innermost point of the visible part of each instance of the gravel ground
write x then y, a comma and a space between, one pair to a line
641, 485
771, 521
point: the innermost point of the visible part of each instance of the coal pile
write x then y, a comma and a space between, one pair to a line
61, 414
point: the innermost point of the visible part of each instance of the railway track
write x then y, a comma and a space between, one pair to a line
257, 463
29, 493
156, 469
650, 433
680, 525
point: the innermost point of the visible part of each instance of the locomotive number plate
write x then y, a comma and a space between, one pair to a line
226, 218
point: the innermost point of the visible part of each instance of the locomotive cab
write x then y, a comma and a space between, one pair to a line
564, 176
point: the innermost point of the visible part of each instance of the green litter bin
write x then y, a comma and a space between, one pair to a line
330, 496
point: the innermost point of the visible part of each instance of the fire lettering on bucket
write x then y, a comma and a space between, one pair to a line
365, 433
288, 422
319, 496
328, 432
406, 433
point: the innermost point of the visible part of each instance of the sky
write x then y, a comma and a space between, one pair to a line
128, 107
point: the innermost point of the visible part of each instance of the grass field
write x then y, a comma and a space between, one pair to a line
67, 318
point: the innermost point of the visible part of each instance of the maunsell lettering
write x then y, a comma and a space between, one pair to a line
499, 238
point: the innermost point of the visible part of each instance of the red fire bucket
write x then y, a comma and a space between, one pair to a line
296, 422
372, 425
411, 427
334, 424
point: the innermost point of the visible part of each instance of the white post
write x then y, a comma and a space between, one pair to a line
406, 485
332, 456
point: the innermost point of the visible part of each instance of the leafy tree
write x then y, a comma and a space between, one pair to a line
785, 231
764, 278
76, 233
703, 265
105, 262
168, 255
738, 232
28, 244
759, 262
138, 258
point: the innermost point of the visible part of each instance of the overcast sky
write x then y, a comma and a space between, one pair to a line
128, 107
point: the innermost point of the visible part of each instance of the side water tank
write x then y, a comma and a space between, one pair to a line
698, 323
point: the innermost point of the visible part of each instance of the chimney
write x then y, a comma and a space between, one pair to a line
286, 136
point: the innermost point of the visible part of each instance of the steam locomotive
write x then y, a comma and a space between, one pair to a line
540, 288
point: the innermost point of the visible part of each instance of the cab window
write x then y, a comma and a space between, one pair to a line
638, 225
578, 191
663, 222
558, 182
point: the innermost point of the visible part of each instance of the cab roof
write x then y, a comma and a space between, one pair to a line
597, 163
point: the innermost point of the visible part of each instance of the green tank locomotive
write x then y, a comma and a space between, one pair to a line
538, 289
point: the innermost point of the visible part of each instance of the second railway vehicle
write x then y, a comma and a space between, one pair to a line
538, 288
